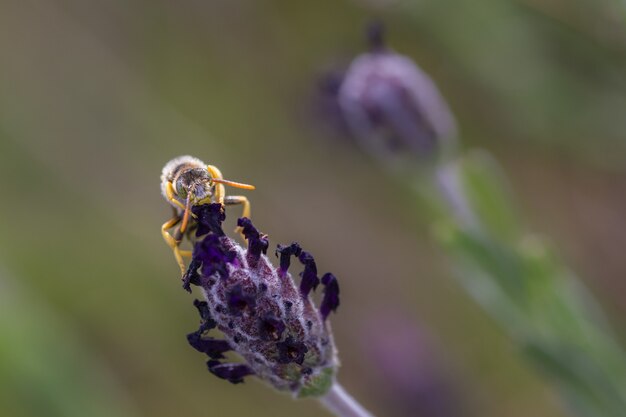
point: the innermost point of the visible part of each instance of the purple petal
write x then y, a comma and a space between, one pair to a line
212, 347
213, 256
233, 372
330, 302
192, 276
257, 242
207, 321
286, 252
209, 218
310, 281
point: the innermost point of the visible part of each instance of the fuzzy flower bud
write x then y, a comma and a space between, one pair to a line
391, 105
263, 316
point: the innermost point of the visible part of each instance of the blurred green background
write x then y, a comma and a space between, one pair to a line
95, 97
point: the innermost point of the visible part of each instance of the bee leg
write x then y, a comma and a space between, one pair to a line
232, 200
169, 193
220, 191
174, 243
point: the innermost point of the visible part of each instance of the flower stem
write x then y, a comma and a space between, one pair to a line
450, 184
341, 404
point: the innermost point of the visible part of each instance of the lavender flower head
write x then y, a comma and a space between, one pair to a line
391, 106
264, 317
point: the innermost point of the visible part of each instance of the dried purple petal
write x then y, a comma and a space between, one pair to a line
192, 276
214, 256
238, 301
271, 328
233, 372
257, 242
291, 350
215, 348
205, 315
330, 302
209, 218
286, 252
310, 281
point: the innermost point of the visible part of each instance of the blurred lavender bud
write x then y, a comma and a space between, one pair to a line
272, 324
405, 360
391, 106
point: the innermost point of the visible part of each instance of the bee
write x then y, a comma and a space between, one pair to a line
186, 182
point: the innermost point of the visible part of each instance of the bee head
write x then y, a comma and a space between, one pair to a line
194, 184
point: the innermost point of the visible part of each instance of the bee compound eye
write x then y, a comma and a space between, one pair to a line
181, 190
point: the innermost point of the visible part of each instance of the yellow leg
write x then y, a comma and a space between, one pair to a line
169, 191
232, 200
174, 244
220, 191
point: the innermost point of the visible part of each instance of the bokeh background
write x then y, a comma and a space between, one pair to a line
95, 97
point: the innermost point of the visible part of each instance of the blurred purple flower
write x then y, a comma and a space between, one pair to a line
404, 359
264, 317
391, 106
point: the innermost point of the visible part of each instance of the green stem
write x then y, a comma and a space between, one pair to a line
342, 404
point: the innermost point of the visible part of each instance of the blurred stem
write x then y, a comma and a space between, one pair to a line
342, 404
450, 185
536, 299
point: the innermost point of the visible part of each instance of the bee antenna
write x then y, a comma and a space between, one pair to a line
234, 184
